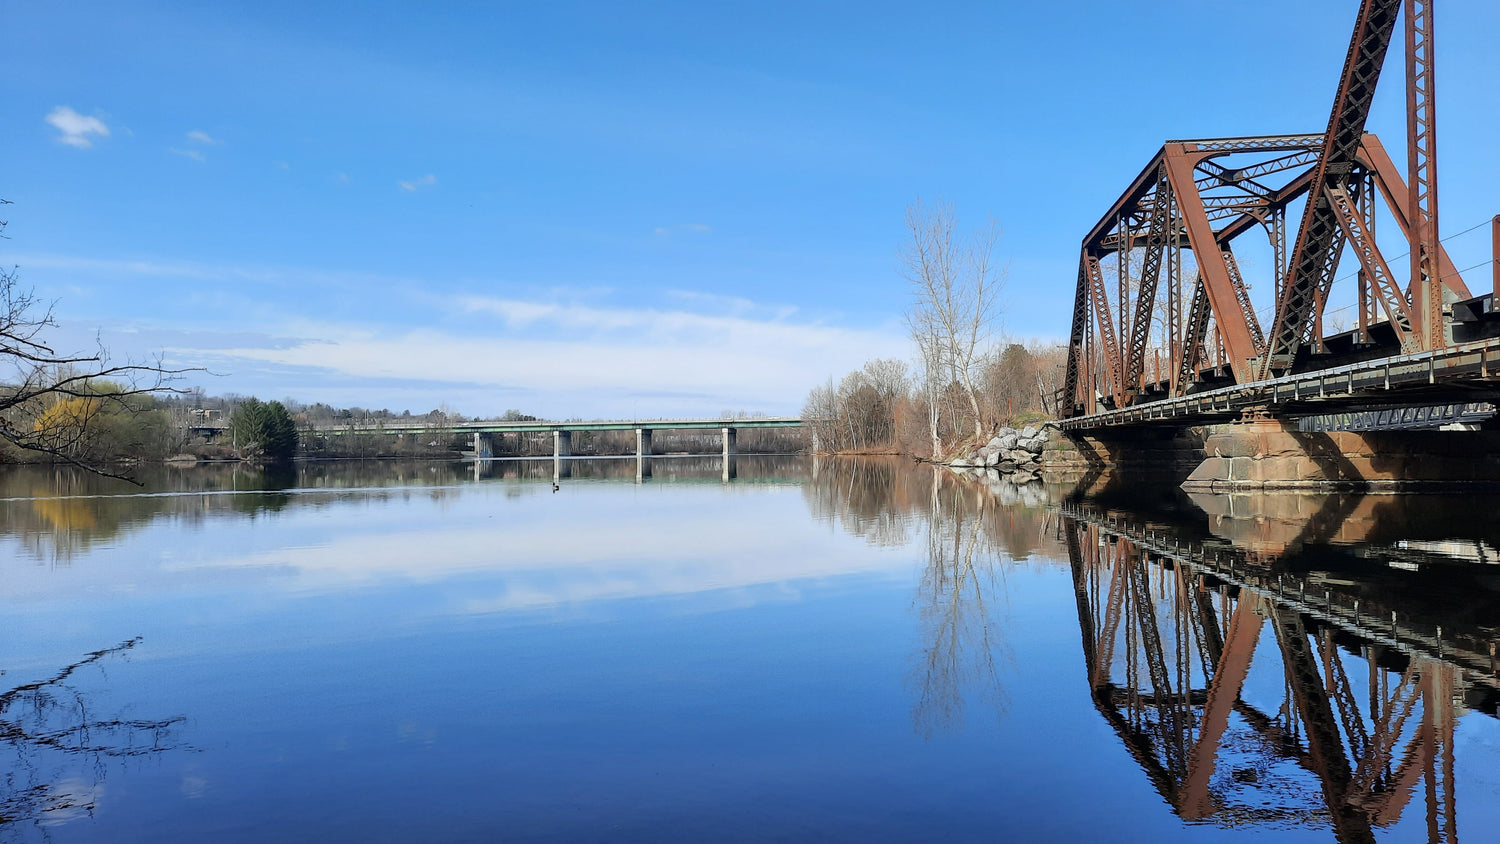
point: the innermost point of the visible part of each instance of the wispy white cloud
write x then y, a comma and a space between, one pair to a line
733, 304
574, 351
77, 130
194, 154
686, 359
198, 136
426, 181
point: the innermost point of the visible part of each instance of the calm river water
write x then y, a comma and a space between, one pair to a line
847, 650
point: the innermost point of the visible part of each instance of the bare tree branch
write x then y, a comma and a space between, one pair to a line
54, 404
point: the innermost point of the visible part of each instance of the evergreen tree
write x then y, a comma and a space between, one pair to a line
264, 429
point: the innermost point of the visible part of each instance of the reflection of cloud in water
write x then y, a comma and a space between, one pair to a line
479, 547
551, 561
193, 786
70, 799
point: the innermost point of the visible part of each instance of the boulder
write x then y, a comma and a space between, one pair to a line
960, 463
1028, 432
1008, 442
994, 443
1018, 456
1035, 445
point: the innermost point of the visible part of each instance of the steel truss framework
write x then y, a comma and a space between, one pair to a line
1151, 332
1169, 643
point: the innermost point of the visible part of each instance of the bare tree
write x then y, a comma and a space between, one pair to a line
52, 403
956, 288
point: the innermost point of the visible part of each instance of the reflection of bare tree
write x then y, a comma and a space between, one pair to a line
973, 527
871, 497
960, 586
58, 747
886, 499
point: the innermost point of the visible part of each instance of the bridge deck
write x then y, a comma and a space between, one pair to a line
543, 426
1467, 372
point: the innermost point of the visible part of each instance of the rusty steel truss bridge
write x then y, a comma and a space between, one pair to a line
1153, 340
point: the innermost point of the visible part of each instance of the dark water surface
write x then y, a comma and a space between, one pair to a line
860, 650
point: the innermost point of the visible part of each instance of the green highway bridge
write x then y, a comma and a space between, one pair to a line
484, 433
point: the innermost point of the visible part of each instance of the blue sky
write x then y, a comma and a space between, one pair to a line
619, 209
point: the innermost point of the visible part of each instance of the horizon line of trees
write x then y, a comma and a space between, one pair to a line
883, 408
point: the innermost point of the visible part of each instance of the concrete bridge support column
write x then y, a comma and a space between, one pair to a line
642, 467
642, 442
561, 468
730, 437
484, 445
562, 443
731, 467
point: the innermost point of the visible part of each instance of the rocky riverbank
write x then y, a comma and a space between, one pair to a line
1015, 454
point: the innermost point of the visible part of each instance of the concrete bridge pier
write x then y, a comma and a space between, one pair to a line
642, 443
562, 444
484, 445
730, 442
642, 467
731, 467
561, 468
1265, 452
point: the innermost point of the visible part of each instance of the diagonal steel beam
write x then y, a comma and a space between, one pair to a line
1388, 292
1145, 299
1076, 366
1232, 316
1197, 329
1320, 229
1106, 324
1373, 157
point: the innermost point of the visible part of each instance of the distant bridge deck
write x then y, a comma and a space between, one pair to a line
540, 426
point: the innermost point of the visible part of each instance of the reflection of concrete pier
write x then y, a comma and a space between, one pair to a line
1364, 710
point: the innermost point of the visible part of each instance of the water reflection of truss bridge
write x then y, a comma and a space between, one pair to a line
1254, 697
